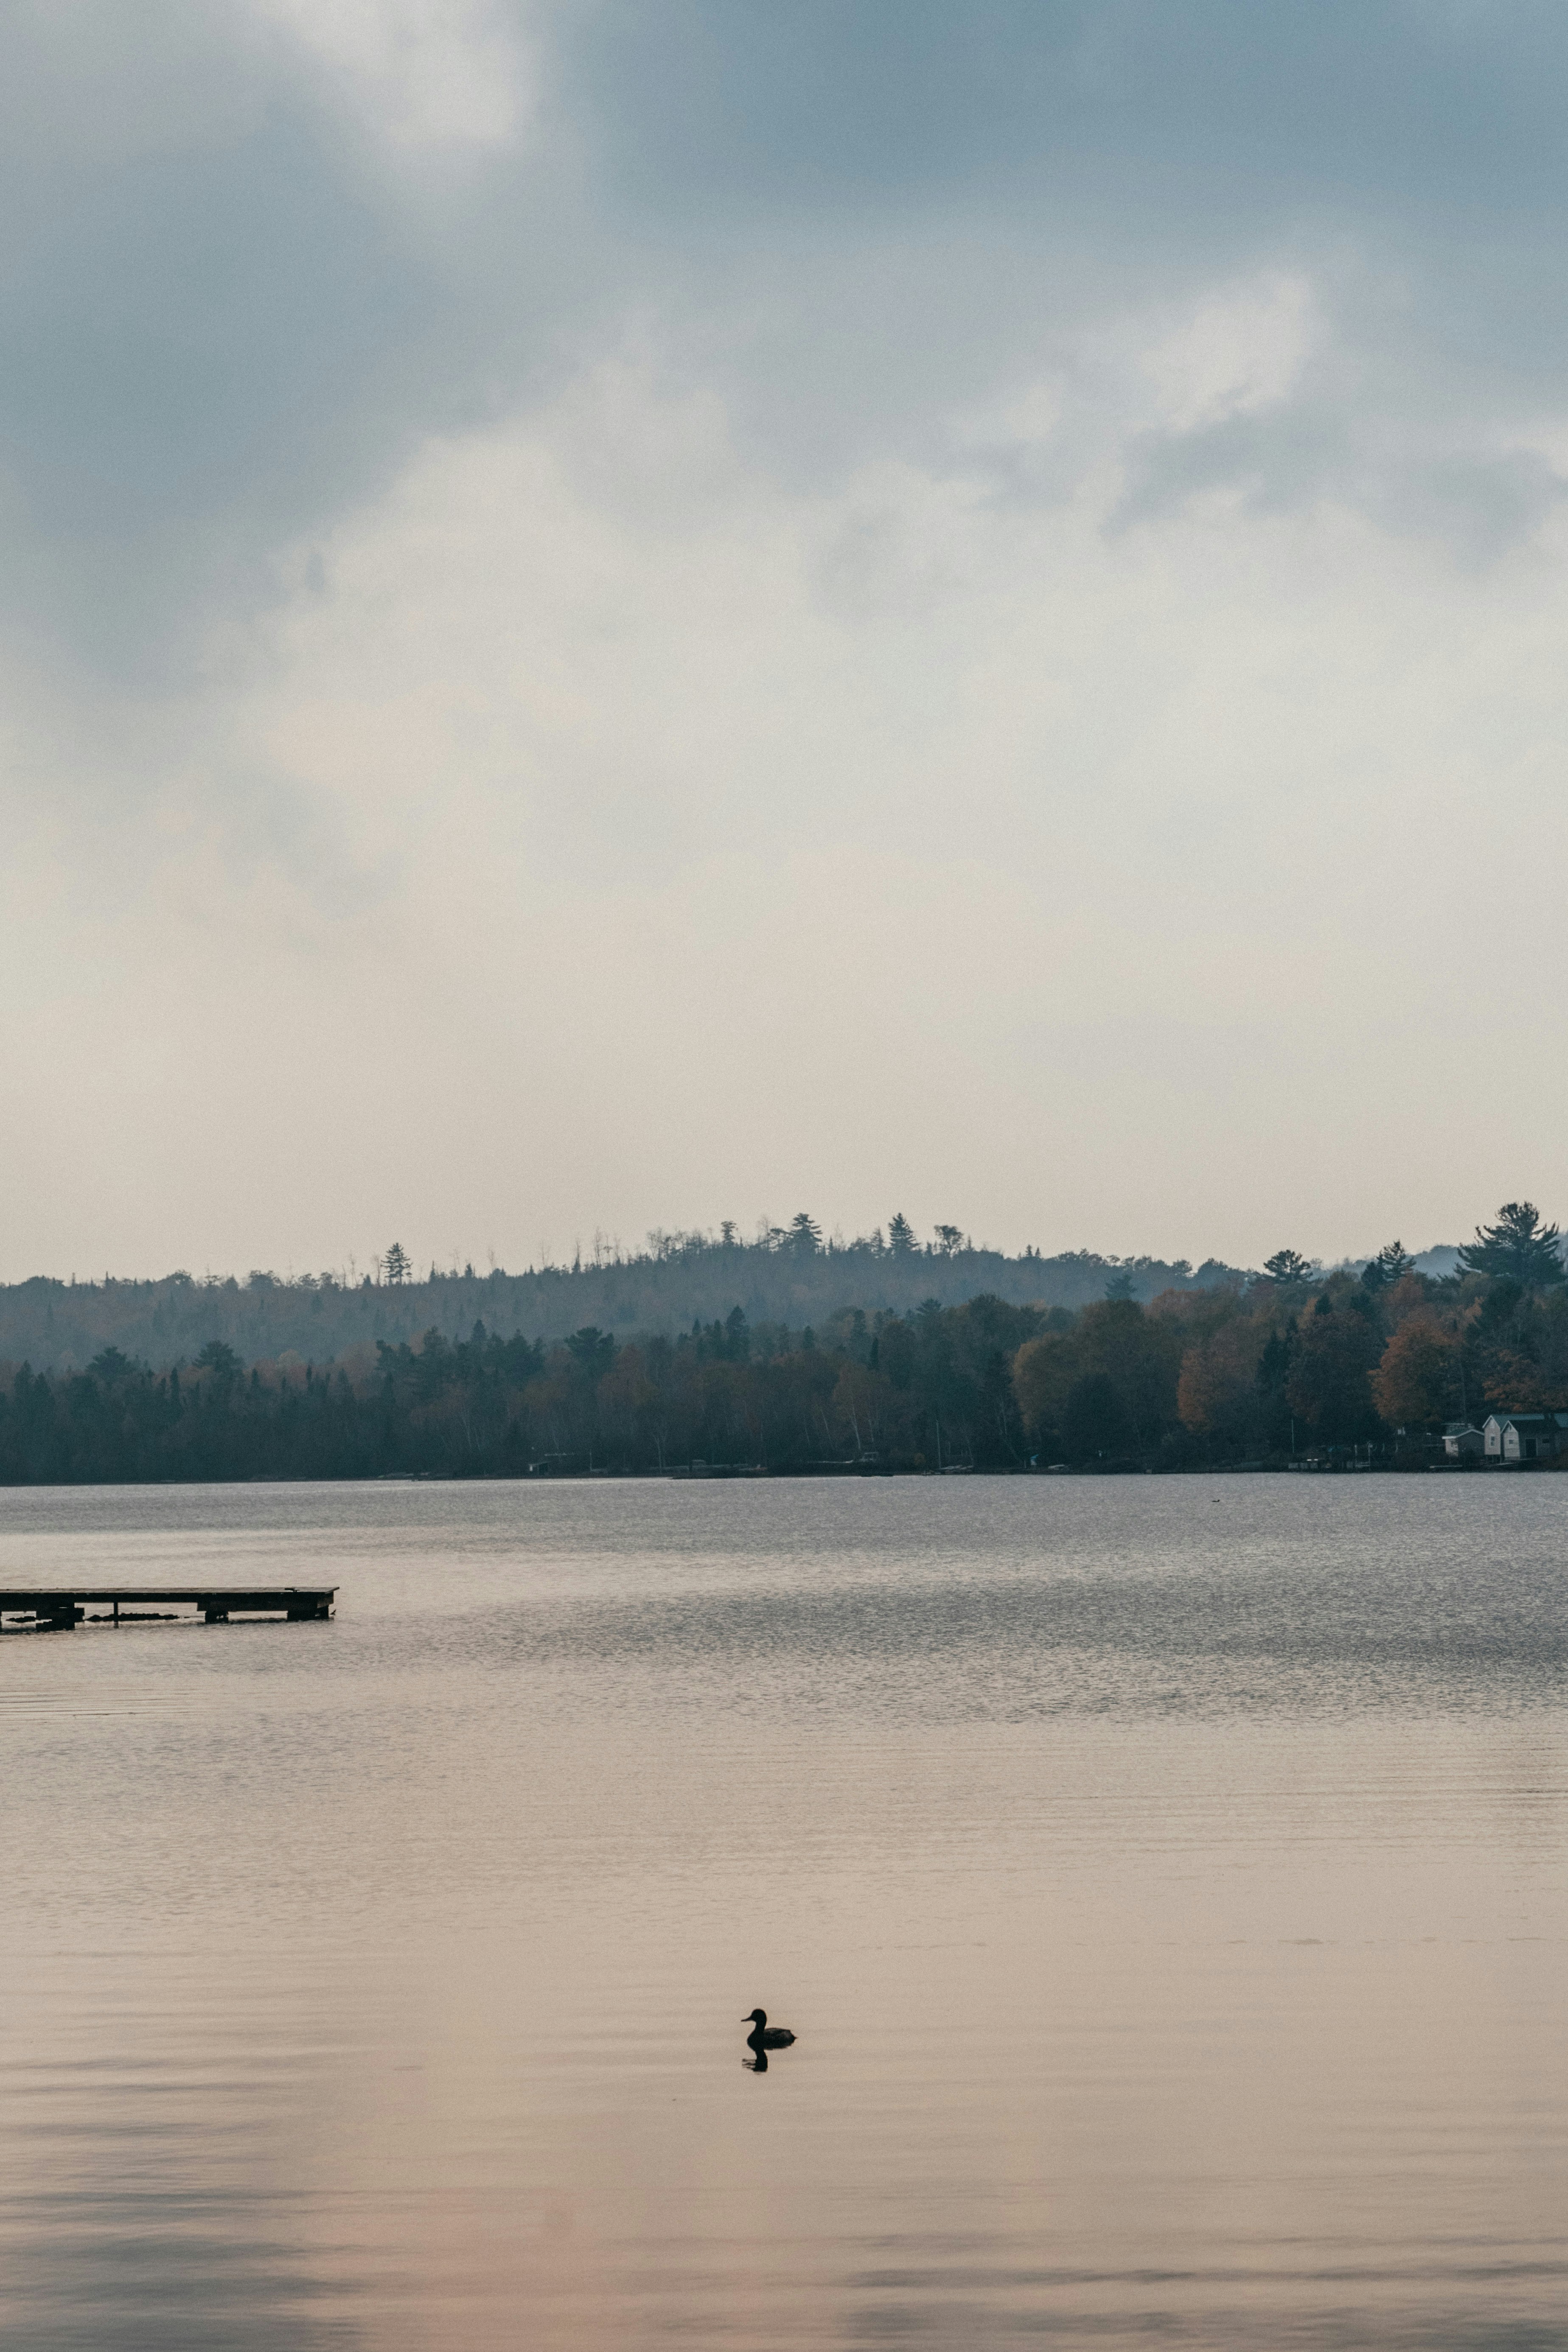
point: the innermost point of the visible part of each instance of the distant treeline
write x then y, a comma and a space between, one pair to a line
1288, 1362
786, 1275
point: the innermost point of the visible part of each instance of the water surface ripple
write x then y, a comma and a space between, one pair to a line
1165, 1878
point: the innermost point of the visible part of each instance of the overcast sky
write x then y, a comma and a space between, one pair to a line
625, 612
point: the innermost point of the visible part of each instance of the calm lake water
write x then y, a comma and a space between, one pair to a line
1166, 1879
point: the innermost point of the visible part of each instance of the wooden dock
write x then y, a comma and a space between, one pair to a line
58, 1608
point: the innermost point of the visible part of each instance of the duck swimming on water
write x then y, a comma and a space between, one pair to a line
764, 2036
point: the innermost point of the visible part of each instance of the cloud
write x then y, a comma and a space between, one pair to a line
1241, 349
1105, 107
421, 73
219, 322
224, 318
753, 596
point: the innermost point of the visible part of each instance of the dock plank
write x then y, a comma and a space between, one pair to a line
61, 1605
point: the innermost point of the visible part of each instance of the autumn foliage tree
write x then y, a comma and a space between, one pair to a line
1416, 1381
1044, 1370
1217, 1391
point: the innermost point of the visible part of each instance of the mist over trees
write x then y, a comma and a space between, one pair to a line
1261, 1369
789, 1274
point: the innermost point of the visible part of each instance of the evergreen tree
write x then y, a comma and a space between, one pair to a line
1392, 1263
1518, 1247
1287, 1266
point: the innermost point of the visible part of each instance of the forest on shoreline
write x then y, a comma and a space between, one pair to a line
1264, 1369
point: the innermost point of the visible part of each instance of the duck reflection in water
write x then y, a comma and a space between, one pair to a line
763, 2037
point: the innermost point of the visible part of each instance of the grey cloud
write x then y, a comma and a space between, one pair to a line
1273, 462
1480, 505
218, 329
194, 334
886, 211
263, 819
214, 336
1102, 103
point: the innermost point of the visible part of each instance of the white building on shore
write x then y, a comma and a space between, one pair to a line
1524, 1436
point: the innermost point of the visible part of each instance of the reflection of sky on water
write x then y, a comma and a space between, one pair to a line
1167, 1892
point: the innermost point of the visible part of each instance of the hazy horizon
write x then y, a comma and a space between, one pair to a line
600, 1248
609, 611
